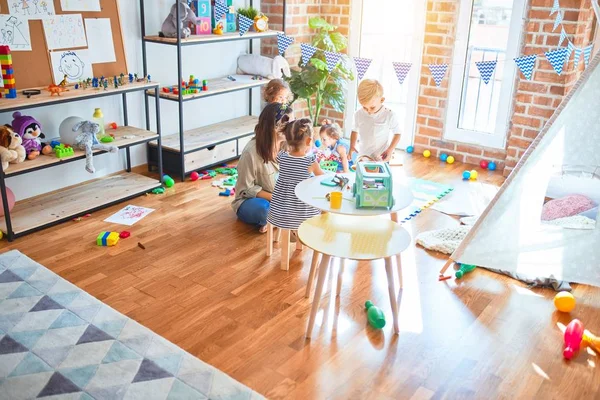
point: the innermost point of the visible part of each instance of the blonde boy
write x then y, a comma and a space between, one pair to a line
374, 123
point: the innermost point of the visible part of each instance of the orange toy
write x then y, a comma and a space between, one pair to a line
56, 90
592, 340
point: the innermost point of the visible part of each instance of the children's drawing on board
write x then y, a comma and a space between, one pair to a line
14, 32
31, 9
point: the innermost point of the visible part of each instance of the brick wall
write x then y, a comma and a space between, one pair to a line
336, 12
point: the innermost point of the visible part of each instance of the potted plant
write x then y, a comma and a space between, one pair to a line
249, 12
313, 82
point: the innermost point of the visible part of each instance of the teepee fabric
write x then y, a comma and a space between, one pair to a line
509, 234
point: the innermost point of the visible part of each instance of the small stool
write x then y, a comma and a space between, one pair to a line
285, 246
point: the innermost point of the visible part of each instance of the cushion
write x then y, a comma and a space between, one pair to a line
566, 207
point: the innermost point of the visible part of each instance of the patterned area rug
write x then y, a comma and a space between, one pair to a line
426, 194
58, 342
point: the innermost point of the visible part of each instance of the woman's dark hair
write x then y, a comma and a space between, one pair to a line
266, 130
296, 131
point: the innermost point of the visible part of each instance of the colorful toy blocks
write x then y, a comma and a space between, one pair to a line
203, 11
62, 151
107, 239
9, 88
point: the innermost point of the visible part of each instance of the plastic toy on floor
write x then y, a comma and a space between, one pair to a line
107, 239
375, 316
373, 186
572, 337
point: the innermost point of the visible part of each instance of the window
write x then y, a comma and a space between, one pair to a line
488, 30
387, 31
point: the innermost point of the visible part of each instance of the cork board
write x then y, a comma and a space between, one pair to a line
33, 68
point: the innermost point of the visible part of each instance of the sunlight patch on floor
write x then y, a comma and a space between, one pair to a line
410, 310
525, 291
540, 371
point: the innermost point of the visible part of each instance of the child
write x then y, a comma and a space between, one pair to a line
331, 137
373, 123
287, 211
277, 91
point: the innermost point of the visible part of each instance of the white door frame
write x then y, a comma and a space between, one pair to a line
451, 130
414, 76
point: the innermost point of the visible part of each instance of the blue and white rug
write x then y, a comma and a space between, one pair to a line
59, 342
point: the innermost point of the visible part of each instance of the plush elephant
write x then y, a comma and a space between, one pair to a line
186, 15
87, 140
272, 68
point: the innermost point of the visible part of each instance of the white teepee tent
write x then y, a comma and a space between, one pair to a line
509, 234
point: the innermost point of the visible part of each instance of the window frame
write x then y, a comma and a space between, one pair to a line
452, 132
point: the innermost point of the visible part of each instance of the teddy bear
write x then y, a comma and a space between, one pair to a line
186, 16
10, 146
30, 131
87, 140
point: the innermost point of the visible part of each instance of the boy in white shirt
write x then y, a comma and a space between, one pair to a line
373, 124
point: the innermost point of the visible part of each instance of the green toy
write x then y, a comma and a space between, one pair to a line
329, 166
168, 181
62, 151
373, 186
464, 269
375, 316
158, 190
107, 139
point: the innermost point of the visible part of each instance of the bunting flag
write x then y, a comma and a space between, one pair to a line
526, 64
220, 10
557, 59
555, 7
558, 20
577, 57
587, 52
486, 69
563, 36
402, 69
307, 52
570, 48
362, 66
438, 71
245, 24
332, 59
283, 42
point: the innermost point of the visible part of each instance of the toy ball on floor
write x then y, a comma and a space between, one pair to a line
466, 175
483, 164
474, 174
564, 302
443, 156
492, 166
410, 149
426, 153
11, 201
450, 159
194, 176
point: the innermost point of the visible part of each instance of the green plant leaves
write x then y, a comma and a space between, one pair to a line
321, 24
338, 40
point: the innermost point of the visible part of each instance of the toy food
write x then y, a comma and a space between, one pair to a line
564, 302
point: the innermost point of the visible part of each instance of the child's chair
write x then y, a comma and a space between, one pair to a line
285, 246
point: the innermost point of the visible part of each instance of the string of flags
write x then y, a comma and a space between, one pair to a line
526, 64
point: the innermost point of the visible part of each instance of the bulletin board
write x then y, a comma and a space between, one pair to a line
34, 69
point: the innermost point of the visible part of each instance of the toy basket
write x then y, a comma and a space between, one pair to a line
329, 166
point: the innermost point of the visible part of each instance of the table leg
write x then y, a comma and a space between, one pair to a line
389, 269
299, 245
318, 293
340, 276
394, 217
311, 274
269, 240
285, 250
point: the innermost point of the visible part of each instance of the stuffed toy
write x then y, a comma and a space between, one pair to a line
186, 15
9, 141
87, 140
271, 68
30, 131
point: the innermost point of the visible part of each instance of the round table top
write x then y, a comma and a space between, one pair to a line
354, 237
311, 192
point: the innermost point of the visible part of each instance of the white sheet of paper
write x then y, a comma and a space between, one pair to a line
80, 5
75, 64
31, 9
64, 31
129, 215
100, 40
14, 31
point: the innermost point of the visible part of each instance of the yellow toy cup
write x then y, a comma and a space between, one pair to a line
335, 199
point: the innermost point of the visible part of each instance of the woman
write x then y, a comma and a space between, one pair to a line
258, 169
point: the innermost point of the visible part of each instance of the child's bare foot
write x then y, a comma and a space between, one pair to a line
263, 229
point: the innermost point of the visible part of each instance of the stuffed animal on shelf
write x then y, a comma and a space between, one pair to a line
87, 140
9, 141
272, 68
30, 131
187, 17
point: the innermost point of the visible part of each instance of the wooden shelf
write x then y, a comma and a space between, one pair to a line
44, 99
54, 207
218, 86
206, 39
210, 135
46, 161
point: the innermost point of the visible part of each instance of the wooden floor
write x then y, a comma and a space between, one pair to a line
204, 283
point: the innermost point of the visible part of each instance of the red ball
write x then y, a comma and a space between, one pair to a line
483, 164
194, 176
11, 201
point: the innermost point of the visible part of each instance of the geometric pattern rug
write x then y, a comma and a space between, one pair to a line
59, 342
